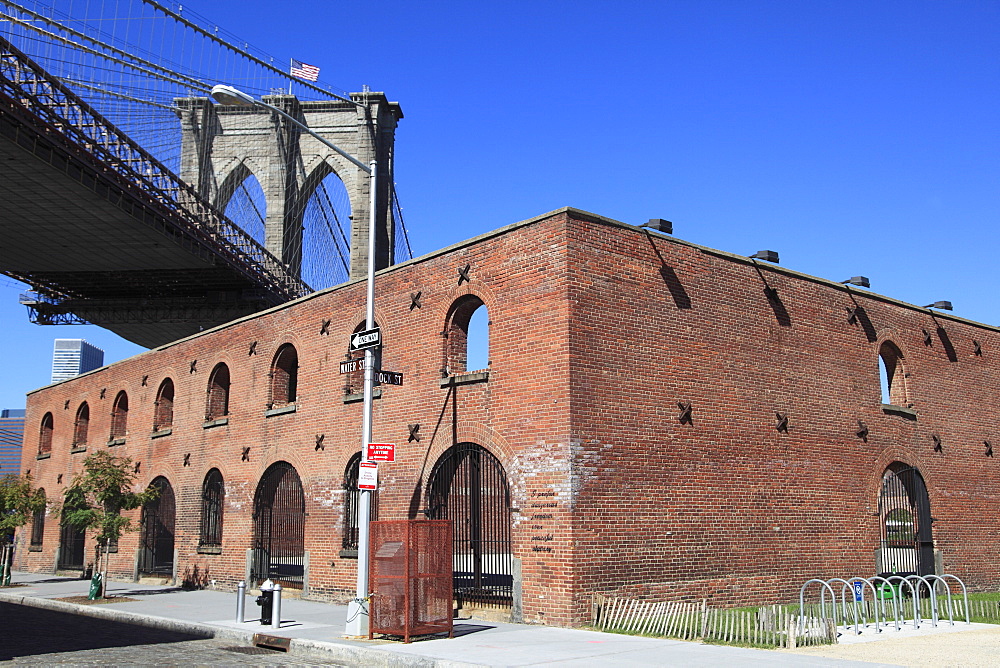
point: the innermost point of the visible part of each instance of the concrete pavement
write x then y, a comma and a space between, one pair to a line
316, 629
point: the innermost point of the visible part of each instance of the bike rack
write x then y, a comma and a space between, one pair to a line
896, 584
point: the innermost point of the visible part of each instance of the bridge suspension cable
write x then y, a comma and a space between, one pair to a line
133, 59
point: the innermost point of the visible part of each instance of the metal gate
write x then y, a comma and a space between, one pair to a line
279, 528
907, 546
156, 548
71, 546
469, 486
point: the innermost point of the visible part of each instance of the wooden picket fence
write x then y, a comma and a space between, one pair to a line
987, 612
771, 626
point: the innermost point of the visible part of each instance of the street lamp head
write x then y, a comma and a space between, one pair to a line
230, 96
944, 306
768, 255
660, 225
858, 280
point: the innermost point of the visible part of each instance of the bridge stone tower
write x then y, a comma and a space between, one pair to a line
222, 145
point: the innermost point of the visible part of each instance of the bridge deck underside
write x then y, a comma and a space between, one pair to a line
67, 228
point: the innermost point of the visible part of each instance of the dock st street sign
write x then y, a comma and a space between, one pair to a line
378, 375
388, 378
370, 338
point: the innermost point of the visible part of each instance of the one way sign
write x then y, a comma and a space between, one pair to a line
370, 338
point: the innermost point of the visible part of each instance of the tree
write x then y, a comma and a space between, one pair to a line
96, 498
19, 501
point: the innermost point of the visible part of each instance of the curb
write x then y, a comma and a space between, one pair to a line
360, 656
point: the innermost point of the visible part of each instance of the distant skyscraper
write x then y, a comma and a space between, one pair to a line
71, 357
11, 437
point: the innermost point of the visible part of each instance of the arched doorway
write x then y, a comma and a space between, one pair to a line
156, 543
907, 544
468, 485
279, 528
71, 539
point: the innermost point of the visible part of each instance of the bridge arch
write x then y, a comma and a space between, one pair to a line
215, 151
231, 175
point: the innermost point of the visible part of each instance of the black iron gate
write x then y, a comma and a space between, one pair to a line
71, 546
156, 549
279, 528
907, 545
469, 486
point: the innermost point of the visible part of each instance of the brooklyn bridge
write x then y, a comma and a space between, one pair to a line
131, 200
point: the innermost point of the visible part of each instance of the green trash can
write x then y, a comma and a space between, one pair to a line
886, 591
95, 587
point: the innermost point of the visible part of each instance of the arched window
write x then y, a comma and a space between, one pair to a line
81, 426
213, 496
163, 413
467, 346
352, 495
284, 376
38, 525
218, 393
891, 375
119, 416
45, 435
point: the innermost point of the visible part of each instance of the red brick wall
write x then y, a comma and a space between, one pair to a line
517, 415
598, 331
727, 506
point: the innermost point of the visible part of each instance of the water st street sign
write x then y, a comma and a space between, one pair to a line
352, 365
370, 338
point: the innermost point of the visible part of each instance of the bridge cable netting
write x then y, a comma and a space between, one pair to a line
132, 59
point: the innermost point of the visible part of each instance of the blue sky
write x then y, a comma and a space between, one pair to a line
851, 137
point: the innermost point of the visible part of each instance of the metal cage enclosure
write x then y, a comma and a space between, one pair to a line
410, 576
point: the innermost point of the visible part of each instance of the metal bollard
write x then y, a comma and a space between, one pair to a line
276, 618
241, 601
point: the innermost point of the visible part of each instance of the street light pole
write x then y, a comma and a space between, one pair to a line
357, 610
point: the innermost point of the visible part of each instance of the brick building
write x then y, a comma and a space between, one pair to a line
657, 419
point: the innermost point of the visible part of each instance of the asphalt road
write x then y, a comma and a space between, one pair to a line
33, 636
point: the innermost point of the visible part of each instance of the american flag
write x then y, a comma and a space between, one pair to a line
303, 71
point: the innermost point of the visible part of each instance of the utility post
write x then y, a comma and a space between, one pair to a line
357, 611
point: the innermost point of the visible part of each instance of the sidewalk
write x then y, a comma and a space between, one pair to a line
316, 628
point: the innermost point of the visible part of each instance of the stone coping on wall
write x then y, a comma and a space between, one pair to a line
279, 410
466, 378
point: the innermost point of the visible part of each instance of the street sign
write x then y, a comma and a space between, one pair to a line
381, 452
352, 365
388, 378
367, 475
859, 591
370, 338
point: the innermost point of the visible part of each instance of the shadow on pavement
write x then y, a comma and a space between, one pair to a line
144, 592
465, 629
28, 583
30, 631
459, 630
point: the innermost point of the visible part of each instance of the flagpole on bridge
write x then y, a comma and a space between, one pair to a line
357, 610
